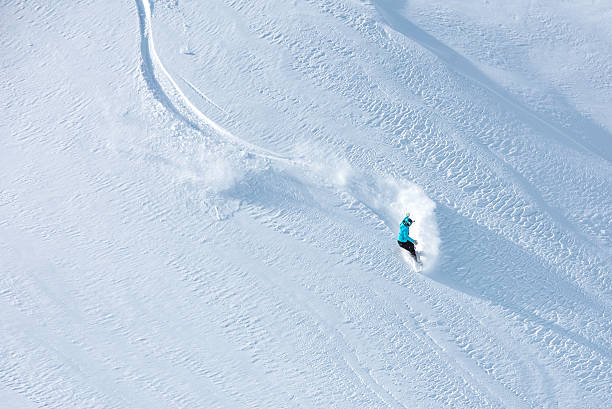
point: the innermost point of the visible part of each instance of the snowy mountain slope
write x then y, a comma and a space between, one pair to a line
199, 204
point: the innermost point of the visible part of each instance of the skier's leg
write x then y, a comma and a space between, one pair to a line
405, 245
410, 247
412, 250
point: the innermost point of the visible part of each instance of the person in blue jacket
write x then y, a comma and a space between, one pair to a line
404, 240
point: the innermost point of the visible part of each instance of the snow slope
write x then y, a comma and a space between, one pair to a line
199, 204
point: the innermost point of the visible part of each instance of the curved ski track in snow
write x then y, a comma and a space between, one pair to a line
144, 13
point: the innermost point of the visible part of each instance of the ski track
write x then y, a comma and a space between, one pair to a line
144, 8
147, 285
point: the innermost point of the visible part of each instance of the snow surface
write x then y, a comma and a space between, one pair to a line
199, 204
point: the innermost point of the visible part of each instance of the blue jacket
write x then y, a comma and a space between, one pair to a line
404, 232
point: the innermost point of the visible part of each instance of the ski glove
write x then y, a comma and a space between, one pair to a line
415, 242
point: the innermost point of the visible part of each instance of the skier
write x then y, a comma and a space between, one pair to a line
404, 240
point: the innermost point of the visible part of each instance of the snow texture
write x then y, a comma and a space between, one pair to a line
200, 201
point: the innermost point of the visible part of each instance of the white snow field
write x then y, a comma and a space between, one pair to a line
200, 201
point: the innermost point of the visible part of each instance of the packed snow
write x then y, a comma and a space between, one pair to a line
200, 202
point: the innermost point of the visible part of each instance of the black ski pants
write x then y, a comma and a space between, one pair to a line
408, 246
